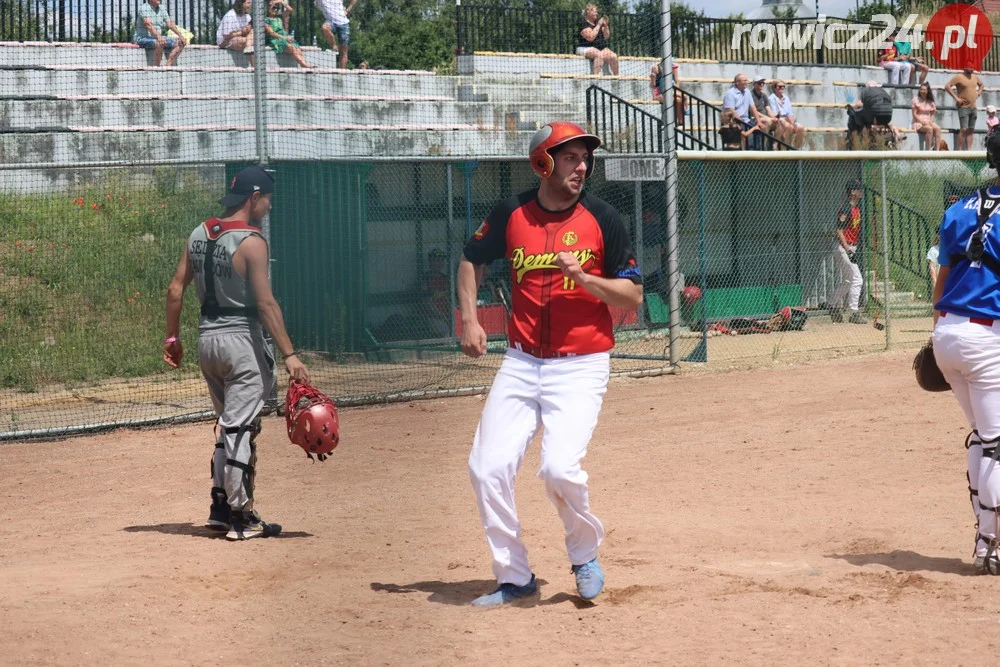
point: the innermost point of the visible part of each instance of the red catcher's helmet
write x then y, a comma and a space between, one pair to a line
311, 419
690, 295
556, 134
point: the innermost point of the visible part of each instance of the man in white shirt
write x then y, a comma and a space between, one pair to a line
337, 29
235, 32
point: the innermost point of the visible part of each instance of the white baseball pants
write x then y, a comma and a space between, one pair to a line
899, 71
850, 279
563, 396
968, 355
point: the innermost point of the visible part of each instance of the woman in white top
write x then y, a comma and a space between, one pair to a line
235, 32
788, 130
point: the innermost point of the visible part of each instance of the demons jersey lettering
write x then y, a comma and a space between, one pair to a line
550, 311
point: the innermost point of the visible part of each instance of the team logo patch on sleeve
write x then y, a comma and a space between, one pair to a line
570, 238
481, 232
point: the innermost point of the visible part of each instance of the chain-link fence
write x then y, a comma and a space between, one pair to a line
364, 266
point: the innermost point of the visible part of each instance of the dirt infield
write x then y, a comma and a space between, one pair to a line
775, 516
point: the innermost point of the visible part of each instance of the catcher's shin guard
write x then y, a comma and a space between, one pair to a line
241, 464
974, 450
989, 505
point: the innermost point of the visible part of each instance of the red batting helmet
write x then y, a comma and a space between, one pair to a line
556, 134
311, 419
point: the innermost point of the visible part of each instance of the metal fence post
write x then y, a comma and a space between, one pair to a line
885, 258
670, 156
452, 264
259, 85
639, 241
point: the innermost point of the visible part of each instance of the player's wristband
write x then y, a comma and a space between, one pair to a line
172, 339
293, 353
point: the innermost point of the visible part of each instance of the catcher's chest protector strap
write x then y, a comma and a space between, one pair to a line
986, 206
213, 230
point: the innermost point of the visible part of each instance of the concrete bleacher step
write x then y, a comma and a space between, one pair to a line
96, 80
506, 93
294, 143
30, 115
14, 54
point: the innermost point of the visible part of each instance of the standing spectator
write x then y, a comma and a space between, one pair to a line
904, 53
658, 84
991, 119
738, 98
593, 44
337, 28
924, 108
732, 131
873, 107
235, 32
899, 70
150, 28
845, 258
276, 28
968, 87
760, 110
789, 130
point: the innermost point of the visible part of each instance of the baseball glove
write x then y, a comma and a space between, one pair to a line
929, 376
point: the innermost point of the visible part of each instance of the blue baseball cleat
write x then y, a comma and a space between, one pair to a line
589, 579
507, 593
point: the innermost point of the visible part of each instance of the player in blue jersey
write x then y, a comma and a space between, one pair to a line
967, 344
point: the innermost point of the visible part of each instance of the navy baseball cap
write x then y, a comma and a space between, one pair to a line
245, 183
853, 184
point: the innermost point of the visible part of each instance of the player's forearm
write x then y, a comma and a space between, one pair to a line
274, 322
942, 276
617, 292
470, 276
175, 300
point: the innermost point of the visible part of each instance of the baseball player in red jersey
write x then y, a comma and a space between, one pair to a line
570, 257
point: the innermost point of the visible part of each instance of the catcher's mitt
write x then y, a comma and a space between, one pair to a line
929, 376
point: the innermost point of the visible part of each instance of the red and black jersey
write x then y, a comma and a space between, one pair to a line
549, 311
849, 220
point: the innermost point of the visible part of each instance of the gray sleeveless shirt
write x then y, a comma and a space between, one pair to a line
227, 299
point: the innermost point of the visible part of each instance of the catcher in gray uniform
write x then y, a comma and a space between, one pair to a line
227, 258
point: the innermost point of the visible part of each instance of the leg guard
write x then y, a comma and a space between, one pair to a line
989, 505
240, 464
974, 447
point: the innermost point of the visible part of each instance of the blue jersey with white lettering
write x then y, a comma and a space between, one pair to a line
971, 290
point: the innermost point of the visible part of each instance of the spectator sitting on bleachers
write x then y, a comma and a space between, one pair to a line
276, 27
732, 131
761, 110
150, 28
968, 87
593, 45
235, 32
873, 107
899, 70
924, 108
904, 53
789, 130
657, 83
738, 98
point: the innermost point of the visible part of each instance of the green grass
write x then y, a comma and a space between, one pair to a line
83, 277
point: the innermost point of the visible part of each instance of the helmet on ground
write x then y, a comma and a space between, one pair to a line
311, 419
553, 135
690, 295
